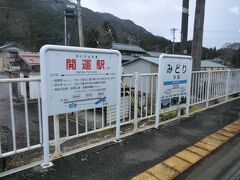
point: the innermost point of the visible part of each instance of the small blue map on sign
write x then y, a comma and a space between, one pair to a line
101, 100
72, 105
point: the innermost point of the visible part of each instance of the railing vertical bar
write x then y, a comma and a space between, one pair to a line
12, 117
67, 125
151, 95
209, 77
102, 117
229, 83
130, 98
192, 90
147, 86
198, 84
206, 85
221, 80
136, 97
238, 80
195, 89
39, 115
86, 120
26, 114
77, 129
199, 87
224, 84
94, 119
218, 84
213, 84
124, 101
201, 84
0, 142
233, 83
141, 93
110, 115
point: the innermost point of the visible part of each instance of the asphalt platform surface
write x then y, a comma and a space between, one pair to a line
143, 150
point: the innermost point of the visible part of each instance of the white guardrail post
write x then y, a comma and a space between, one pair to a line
227, 84
208, 88
136, 79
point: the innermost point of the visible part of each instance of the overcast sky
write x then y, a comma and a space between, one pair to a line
222, 17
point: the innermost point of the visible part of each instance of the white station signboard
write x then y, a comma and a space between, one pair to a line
79, 78
74, 79
174, 82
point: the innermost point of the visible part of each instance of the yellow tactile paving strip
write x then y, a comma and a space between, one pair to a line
178, 163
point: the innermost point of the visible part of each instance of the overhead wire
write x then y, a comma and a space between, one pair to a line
106, 20
94, 37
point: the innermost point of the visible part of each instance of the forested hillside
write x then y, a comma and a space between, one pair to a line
32, 23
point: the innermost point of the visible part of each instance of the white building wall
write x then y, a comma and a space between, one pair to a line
139, 66
142, 67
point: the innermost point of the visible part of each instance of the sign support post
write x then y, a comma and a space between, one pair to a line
46, 156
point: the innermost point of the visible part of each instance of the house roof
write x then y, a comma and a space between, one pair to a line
155, 60
30, 58
10, 47
127, 47
211, 64
128, 58
154, 54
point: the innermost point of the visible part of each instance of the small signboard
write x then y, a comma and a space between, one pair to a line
74, 79
174, 79
80, 79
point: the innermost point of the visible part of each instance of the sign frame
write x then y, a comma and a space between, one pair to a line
162, 59
44, 88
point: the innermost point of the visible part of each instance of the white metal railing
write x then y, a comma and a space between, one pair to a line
138, 92
18, 146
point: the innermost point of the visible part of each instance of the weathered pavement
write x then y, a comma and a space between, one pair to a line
144, 150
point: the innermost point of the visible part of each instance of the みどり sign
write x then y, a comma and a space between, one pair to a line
174, 79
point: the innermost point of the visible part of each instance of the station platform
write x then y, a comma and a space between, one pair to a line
206, 144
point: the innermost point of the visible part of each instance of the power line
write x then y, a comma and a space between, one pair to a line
94, 37
109, 29
209, 31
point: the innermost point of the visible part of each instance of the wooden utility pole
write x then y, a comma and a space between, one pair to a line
80, 24
184, 30
198, 34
